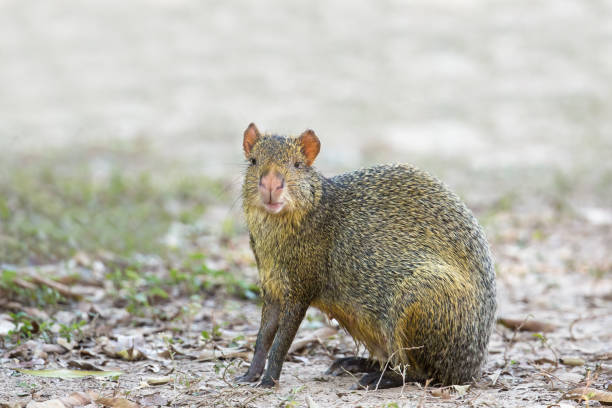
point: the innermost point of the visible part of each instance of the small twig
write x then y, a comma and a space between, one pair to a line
24, 284
403, 380
584, 396
474, 398
571, 328
512, 341
581, 318
59, 287
231, 363
421, 402
257, 394
349, 373
389, 359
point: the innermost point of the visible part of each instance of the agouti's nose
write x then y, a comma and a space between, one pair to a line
271, 185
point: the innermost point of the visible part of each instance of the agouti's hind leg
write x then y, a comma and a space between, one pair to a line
352, 365
372, 381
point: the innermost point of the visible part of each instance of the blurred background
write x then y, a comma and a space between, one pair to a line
125, 119
498, 98
121, 148
486, 84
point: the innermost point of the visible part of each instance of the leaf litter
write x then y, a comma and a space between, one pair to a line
200, 347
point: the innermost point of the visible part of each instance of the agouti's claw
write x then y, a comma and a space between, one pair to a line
333, 369
372, 381
356, 386
351, 365
266, 382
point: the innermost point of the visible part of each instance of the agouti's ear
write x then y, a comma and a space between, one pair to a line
251, 134
310, 145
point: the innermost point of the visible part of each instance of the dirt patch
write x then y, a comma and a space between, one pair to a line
548, 272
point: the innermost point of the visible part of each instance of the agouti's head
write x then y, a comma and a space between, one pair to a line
280, 178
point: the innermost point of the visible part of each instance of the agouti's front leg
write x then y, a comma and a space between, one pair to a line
267, 330
291, 316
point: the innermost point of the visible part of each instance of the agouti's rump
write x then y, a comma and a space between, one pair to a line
389, 252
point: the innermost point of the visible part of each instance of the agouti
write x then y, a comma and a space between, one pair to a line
389, 252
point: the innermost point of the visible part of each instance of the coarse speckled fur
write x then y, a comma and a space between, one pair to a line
387, 251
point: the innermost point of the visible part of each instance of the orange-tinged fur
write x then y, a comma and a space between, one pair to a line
366, 331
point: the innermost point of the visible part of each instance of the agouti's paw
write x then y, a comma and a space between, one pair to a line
266, 382
246, 378
372, 381
351, 365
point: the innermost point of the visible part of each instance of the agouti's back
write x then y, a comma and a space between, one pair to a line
388, 251
402, 233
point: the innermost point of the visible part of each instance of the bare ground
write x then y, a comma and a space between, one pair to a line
553, 270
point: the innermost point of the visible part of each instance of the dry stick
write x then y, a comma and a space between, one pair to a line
252, 398
571, 328
365, 394
403, 380
389, 359
470, 402
329, 353
584, 396
223, 395
59, 287
315, 338
225, 372
24, 284
349, 373
579, 319
422, 399
552, 349
512, 341
549, 376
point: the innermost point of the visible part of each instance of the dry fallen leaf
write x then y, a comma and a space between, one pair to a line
545, 360
117, 403
83, 365
310, 402
443, 393
572, 361
24, 350
495, 376
131, 354
54, 403
125, 347
223, 353
526, 325
461, 389
589, 394
36, 312
154, 399
53, 348
76, 399
68, 345
66, 373
316, 336
159, 380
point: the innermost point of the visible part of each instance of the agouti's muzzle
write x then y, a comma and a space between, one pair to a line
271, 185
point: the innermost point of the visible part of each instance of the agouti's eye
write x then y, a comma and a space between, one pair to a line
298, 165
253, 161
